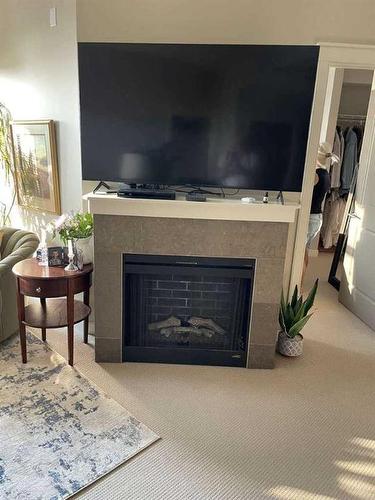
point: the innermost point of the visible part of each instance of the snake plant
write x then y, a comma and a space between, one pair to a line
294, 315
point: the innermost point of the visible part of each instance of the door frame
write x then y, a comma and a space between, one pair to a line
331, 56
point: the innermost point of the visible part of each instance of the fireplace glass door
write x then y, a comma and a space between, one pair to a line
186, 309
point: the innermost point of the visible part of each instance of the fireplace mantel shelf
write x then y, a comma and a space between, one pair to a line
218, 228
212, 209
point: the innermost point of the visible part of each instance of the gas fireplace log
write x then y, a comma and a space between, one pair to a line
206, 332
183, 330
168, 331
180, 330
206, 322
158, 325
186, 329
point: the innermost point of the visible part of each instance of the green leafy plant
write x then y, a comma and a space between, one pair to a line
6, 161
73, 226
295, 314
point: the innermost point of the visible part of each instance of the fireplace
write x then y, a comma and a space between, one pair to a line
192, 310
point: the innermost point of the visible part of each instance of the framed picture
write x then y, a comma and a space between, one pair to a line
35, 158
57, 257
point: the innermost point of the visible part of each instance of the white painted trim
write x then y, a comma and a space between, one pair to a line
366, 157
332, 104
309, 174
332, 55
345, 45
212, 209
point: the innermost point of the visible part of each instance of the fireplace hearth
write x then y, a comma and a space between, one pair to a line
193, 310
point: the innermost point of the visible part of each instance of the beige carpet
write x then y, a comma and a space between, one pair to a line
305, 430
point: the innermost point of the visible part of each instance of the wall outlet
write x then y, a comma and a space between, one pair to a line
53, 17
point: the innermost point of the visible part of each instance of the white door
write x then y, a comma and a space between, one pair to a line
357, 289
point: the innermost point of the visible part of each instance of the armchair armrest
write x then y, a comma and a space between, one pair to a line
21, 245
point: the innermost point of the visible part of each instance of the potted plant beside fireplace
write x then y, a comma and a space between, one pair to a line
293, 317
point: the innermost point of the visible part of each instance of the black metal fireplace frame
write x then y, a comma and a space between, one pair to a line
223, 266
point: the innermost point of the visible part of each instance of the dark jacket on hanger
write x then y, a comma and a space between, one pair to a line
349, 161
359, 133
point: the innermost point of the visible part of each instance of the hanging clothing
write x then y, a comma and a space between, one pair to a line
336, 162
342, 142
334, 209
359, 133
349, 161
349, 144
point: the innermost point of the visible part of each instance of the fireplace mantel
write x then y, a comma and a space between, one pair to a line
213, 209
217, 228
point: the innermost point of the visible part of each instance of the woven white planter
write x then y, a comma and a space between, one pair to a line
290, 346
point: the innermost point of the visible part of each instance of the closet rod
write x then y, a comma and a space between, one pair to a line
351, 117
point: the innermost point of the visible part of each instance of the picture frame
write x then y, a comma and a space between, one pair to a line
35, 160
57, 257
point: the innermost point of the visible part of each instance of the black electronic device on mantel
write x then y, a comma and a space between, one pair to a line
196, 114
152, 194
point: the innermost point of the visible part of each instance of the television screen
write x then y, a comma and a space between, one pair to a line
201, 115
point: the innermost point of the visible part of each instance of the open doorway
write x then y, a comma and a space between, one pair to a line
344, 118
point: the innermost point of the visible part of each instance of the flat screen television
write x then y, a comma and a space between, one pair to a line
201, 115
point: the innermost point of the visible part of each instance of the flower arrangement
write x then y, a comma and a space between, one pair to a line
72, 226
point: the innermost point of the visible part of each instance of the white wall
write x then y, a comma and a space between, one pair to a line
355, 98
39, 80
38, 65
358, 76
230, 21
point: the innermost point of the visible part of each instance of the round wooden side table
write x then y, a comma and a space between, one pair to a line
62, 310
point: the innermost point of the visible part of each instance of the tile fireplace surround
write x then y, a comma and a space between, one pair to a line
208, 233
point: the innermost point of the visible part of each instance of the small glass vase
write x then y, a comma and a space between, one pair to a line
71, 255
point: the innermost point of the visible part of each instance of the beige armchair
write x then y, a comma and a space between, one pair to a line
16, 245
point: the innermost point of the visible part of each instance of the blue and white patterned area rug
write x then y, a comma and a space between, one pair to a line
58, 432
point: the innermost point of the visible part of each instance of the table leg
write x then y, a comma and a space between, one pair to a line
43, 304
21, 319
70, 317
86, 300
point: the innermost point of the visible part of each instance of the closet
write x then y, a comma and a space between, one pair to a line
347, 146
347, 142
